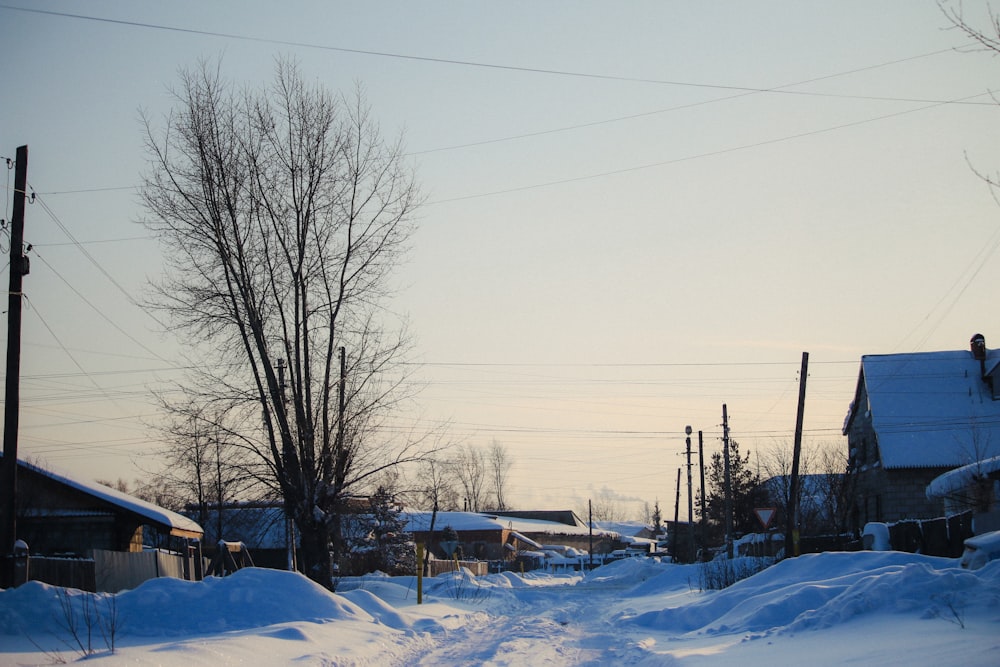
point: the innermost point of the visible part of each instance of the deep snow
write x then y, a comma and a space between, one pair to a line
871, 608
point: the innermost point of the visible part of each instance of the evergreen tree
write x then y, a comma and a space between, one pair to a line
748, 494
392, 544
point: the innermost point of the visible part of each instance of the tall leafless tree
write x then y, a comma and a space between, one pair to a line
283, 211
436, 486
469, 465
498, 462
205, 464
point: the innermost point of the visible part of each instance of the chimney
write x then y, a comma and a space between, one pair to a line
978, 344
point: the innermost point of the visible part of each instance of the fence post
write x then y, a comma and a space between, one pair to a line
20, 563
420, 572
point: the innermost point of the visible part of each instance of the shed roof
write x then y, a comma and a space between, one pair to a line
930, 409
164, 519
959, 479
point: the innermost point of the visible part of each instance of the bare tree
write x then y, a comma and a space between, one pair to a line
206, 464
988, 39
775, 472
283, 212
607, 506
436, 486
985, 39
822, 492
831, 472
498, 462
470, 469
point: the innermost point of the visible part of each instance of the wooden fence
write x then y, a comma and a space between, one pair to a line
478, 567
109, 571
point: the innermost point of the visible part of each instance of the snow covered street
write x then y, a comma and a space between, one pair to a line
869, 608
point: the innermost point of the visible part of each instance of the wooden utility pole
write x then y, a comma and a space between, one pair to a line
590, 524
677, 516
341, 399
701, 467
728, 482
18, 269
691, 559
792, 518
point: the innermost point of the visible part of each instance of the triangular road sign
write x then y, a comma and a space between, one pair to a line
765, 515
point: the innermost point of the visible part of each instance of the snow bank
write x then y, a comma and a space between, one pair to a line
823, 609
822, 590
167, 607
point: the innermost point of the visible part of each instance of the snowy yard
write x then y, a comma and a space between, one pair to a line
866, 608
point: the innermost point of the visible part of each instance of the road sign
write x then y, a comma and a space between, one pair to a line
765, 515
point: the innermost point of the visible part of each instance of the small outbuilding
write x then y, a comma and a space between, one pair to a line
61, 517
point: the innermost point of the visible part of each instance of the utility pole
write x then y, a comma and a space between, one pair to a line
792, 520
701, 467
18, 269
687, 440
677, 516
590, 525
341, 399
728, 482
281, 381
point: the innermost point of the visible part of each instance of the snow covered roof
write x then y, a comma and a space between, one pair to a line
417, 521
623, 528
528, 541
959, 479
568, 517
261, 525
930, 409
467, 521
173, 522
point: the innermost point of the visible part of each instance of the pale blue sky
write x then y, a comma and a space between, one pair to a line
659, 239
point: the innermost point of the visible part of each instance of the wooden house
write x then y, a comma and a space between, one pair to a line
86, 535
507, 536
61, 515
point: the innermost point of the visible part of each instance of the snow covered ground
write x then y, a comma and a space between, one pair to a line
868, 608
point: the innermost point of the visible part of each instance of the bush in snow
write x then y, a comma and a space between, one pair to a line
724, 572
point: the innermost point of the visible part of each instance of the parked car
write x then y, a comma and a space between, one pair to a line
980, 550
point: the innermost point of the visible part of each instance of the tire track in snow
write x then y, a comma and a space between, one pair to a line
555, 628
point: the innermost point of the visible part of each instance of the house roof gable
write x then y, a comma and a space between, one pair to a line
931, 409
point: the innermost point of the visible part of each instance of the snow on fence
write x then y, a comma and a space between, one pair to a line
120, 570
943, 536
478, 568
66, 572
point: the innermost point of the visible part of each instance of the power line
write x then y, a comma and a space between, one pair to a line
746, 93
107, 275
597, 364
67, 352
484, 65
94, 242
100, 312
688, 158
